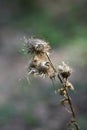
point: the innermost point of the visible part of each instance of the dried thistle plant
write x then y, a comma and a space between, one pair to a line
41, 65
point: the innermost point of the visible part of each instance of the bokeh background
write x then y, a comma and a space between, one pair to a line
33, 105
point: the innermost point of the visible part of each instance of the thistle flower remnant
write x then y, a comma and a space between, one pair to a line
41, 68
35, 45
41, 65
64, 70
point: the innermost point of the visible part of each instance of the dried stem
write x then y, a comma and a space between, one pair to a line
50, 62
73, 120
70, 104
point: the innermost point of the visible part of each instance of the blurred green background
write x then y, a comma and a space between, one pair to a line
34, 105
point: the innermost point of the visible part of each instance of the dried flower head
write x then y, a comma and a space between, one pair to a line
64, 70
35, 45
50, 71
41, 68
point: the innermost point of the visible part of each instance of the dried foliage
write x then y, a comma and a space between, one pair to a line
41, 65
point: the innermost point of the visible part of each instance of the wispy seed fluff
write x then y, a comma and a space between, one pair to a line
35, 45
64, 70
40, 63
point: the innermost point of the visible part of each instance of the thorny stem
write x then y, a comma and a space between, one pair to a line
73, 121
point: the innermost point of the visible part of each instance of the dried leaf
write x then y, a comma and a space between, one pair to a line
69, 85
62, 92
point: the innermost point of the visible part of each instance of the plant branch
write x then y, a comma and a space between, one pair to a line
73, 121
63, 82
50, 62
44, 65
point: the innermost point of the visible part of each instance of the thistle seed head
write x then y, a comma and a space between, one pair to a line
36, 45
64, 70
